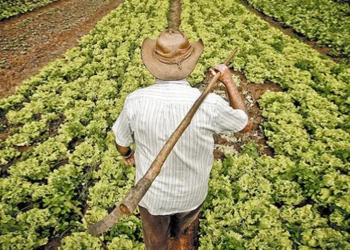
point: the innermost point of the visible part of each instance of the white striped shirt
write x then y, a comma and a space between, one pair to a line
149, 116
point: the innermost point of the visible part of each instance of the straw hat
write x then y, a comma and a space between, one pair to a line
171, 56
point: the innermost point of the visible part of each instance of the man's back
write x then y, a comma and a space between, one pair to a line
153, 114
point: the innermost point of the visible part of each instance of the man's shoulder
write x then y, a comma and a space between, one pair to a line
136, 94
212, 98
156, 92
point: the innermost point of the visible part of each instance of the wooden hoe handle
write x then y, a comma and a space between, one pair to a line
128, 205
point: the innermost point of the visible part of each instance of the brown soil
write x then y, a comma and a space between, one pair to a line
5, 132
52, 245
251, 93
29, 41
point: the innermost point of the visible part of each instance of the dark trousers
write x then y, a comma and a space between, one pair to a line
158, 228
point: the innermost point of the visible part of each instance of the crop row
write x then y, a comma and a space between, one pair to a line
264, 53
299, 199
324, 21
64, 115
114, 179
12, 8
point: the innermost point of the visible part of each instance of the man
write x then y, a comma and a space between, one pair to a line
149, 117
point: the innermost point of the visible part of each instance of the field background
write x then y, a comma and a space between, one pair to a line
284, 185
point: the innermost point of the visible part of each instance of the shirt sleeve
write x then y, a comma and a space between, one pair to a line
122, 130
228, 119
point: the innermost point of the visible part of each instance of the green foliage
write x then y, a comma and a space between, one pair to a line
124, 243
80, 241
322, 20
239, 212
325, 238
15, 7
287, 192
259, 205
297, 199
32, 230
7, 154
264, 53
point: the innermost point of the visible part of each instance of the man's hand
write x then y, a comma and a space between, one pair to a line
130, 160
127, 153
225, 77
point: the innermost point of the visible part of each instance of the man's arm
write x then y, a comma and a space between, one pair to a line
123, 136
236, 100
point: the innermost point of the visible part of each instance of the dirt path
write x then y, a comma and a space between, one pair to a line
174, 20
29, 41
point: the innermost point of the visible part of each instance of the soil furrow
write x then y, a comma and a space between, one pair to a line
29, 41
175, 15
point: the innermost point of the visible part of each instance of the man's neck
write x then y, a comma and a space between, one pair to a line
181, 82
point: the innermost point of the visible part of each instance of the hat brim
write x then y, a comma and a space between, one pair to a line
165, 71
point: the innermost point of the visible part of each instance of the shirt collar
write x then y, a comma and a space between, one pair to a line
179, 82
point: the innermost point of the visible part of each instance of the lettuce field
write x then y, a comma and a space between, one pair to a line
57, 152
